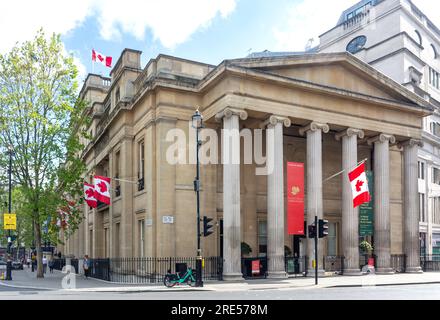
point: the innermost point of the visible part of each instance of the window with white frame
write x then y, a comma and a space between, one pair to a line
436, 176
422, 217
434, 78
436, 211
141, 238
421, 170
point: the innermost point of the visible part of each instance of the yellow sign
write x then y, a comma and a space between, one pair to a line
313, 264
10, 221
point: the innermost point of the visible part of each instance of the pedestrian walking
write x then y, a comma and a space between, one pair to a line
44, 264
86, 266
51, 264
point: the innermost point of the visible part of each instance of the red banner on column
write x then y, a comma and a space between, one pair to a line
295, 198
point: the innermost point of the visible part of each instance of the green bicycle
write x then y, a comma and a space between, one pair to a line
171, 280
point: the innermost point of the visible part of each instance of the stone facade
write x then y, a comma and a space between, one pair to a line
307, 100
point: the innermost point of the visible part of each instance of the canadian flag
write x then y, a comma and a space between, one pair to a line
98, 57
359, 185
89, 195
102, 189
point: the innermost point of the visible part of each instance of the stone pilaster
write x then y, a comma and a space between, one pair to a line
350, 215
411, 216
275, 196
382, 223
231, 192
314, 187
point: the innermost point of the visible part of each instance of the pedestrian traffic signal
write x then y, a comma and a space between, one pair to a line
207, 227
323, 228
312, 231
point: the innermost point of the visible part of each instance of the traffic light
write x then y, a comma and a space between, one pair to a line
207, 227
323, 228
312, 231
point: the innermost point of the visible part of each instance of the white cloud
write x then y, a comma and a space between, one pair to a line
308, 19
171, 22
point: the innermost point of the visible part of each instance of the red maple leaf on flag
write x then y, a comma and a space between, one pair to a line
90, 193
102, 186
359, 184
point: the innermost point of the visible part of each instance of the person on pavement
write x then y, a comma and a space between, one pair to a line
86, 266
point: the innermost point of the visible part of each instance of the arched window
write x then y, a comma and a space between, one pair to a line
418, 37
434, 52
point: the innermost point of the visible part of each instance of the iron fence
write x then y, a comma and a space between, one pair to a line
150, 270
333, 264
398, 263
58, 264
297, 265
430, 262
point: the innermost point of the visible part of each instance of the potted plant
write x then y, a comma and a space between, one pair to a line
245, 249
367, 248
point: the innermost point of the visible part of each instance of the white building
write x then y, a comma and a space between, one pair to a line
399, 40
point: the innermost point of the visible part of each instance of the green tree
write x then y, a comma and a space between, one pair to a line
41, 119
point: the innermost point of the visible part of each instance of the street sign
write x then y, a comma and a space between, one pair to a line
10, 221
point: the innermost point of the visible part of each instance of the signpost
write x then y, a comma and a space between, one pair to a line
10, 221
366, 211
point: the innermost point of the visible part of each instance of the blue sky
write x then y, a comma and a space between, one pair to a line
204, 30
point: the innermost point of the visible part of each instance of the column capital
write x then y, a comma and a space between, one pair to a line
411, 143
382, 138
314, 126
229, 112
349, 133
274, 119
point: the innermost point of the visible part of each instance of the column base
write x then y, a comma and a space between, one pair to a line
276, 275
413, 270
385, 271
311, 273
352, 272
233, 277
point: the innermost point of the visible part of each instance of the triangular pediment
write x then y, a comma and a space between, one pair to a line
340, 71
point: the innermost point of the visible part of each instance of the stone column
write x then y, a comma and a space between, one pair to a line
382, 224
411, 207
275, 196
231, 192
314, 187
350, 216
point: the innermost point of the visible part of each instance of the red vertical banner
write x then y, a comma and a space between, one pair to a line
295, 198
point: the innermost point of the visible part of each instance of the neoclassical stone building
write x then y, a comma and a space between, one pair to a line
327, 110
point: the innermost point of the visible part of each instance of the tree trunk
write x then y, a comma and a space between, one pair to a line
40, 273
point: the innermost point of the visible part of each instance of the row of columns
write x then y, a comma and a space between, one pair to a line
350, 216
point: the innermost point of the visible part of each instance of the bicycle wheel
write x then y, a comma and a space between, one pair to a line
191, 281
168, 282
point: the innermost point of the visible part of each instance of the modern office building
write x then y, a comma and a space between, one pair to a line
399, 40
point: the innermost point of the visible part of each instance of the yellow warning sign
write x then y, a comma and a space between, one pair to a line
10, 221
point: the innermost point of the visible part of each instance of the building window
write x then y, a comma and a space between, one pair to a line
434, 78
421, 170
116, 244
422, 217
262, 238
332, 239
419, 38
436, 243
107, 243
117, 168
141, 238
434, 128
141, 169
358, 11
434, 52
436, 176
117, 96
436, 211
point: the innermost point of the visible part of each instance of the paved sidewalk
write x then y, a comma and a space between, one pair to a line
27, 279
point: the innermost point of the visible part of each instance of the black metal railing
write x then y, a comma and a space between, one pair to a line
297, 266
58, 264
430, 262
150, 270
333, 264
398, 263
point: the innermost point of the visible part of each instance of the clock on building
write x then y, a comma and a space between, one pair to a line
357, 44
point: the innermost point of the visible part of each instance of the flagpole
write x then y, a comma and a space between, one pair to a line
337, 174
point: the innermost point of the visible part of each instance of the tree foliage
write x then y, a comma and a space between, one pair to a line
41, 119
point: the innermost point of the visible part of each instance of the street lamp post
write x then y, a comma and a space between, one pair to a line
9, 262
197, 123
